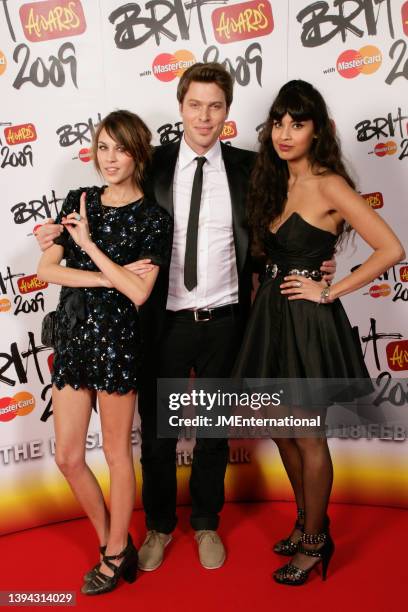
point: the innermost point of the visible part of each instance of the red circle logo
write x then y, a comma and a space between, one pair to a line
85, 155
349, 64
7, 413
380, 149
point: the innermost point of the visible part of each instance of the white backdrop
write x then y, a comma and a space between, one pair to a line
66, 63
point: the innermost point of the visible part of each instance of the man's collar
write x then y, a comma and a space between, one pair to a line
187, 155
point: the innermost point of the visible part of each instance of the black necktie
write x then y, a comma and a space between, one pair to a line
190, 257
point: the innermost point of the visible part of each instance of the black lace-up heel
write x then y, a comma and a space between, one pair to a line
88, 575
102, 583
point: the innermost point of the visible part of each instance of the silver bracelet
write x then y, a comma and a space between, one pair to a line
325, 296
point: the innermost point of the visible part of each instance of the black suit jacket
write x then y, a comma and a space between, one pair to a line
159, 185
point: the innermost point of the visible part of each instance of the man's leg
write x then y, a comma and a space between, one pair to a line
219, 344
158, 459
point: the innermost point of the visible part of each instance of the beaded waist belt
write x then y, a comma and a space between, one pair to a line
272, 271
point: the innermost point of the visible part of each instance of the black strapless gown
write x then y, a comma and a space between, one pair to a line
300, 338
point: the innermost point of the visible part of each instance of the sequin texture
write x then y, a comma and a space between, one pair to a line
103, 351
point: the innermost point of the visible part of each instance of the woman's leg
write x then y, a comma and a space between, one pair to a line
317, 476
117, 412
72, 411
292, 461
317, 480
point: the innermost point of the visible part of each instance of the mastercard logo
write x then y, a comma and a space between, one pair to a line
385, 148
377, 291
5, 305
351, 63
374, 200
20, 405
229, 130
3, 63
85, 155
167, 66
404, 274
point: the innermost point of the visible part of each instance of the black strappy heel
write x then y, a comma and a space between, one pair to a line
287, 546
292, 575
102, 583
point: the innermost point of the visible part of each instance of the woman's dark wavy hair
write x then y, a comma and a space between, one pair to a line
269, 180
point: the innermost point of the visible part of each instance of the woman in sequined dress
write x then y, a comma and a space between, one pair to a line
301, 199
98, 346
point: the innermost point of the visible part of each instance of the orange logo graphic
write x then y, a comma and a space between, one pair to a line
18, 134
5, 305
375, 199
377, 291
404, 274
52, 19
20, 405
385, 148
3, 63
168, 66
397, 355
365, 61
229, 130
31, 283
404, 15
242, 21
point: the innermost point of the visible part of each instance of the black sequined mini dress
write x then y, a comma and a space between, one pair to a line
98, 340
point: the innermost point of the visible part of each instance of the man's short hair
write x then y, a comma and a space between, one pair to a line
211, 72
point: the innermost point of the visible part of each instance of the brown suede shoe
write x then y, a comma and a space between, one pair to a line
210, 549
152, 550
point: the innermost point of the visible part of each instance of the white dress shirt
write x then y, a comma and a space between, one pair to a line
217, 276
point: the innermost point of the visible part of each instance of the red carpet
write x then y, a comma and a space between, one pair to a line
368, 570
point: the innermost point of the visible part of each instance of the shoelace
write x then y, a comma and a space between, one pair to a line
152, 536
209, 534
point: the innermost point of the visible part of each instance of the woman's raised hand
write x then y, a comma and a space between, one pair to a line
77, 225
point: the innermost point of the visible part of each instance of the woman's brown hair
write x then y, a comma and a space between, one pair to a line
128, 130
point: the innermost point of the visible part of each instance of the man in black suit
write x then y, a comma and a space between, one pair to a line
199, 306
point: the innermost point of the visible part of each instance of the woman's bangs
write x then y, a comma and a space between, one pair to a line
291, 103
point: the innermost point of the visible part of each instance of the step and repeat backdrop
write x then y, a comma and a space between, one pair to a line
64, 64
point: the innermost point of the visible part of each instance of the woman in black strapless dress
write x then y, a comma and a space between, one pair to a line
98, 348
301, 201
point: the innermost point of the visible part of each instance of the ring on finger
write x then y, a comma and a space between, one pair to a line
298, 284
77, 217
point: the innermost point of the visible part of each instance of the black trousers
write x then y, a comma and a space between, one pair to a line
210, 348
